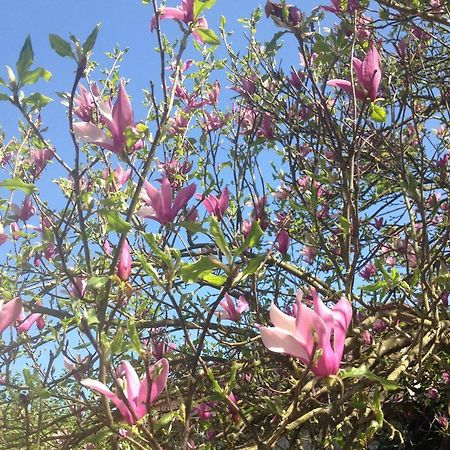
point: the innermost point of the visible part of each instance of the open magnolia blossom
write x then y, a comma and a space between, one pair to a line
117, 119
9, 313
368, 76
162, 205
230, 311
138, 393
322, 330
184, 13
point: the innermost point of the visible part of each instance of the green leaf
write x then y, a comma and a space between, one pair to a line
201, 5
34, 75
61, 46
220, 238
215, 280
363, 372
90, 41
252, 239
25, 59
37, 100
12, 184
163, 256
4, 97
97, 283
135, 342
208, 36
191, 273
377, 113
215, 385
149, 269
165, 420
117, 343
254, 265
116, 222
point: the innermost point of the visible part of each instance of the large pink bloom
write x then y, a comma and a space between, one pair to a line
116, 120
139, 394
9, 313
161, 204
368, 76
310, 331
184, 13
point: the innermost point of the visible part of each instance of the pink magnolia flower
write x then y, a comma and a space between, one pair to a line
247, 226
309, 332
161, 204
282, 242
184, 13
216, 206
24, 324
124, 264
3, 236
230, 311
15, 230
204, 410
309, 254
286, 16
368, 76
119, 177
85, 102
26, 210
370, 269
39, 157
9, 313
116, 120
139, 394
336, 8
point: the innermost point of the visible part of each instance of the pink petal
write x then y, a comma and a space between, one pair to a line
242, 305
166, 201
88, 132
182, 199
210, 203
122, 114
9, 313
168, 13
371, 72
280, 341
102, 389
357, 68
133, 383
224, 201
347, 87
157, 385
342, 315
282, 320
26, 324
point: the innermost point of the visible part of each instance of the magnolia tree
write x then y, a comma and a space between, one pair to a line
259, 261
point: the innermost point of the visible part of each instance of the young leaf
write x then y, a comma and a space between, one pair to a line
61, 46
251, 240
90, 41
34, 75
115, 221
377, 113
220, 238
208, 36
25, 59
37, 100
13, 184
